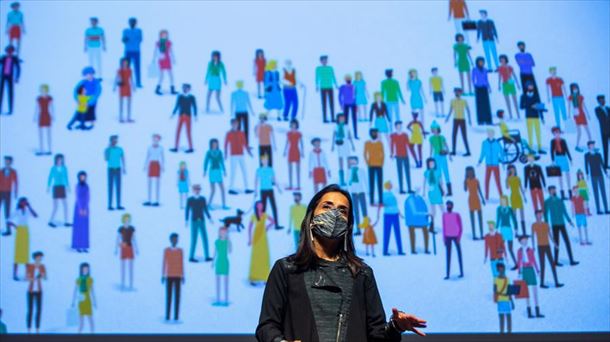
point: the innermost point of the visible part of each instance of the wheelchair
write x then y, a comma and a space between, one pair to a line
515, 148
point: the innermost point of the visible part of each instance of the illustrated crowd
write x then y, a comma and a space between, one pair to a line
346, 105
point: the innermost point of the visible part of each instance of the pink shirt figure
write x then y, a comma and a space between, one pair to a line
531, 260
452, 225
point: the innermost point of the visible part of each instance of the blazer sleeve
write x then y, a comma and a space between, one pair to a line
377, 327
273, 308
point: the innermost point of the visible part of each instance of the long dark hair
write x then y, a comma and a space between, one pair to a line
305, 258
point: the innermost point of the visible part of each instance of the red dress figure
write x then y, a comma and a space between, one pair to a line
579, 110
294, 151
44, 117
164, 56
124, 81
259, 70
318, 166
8, 182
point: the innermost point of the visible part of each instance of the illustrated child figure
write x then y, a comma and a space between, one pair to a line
318, 166
578, 109
214, 162
527, 265
183, 182
221, 265
215, 73
504, 301
369, 239
580, 214
259, 71
172, 274
164, 57
341, 136
294, 151
35, 274
475, 198
417, 137
128, 248
154, 165
503, 126
186, 107
15, 25
583, 189
44, 116
19, 221
459, 106
297, 214
437, 90
82, 101
83, 290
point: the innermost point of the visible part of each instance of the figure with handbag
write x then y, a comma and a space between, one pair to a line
560, 155
528, 269
503, 300
458, 10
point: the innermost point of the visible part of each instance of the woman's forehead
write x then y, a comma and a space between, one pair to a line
336, 198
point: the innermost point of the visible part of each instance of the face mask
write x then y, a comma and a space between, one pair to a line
330, 224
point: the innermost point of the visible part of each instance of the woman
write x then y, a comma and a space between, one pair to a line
475, 197
183, 182
508, 84
507, 224
273, 90
418, 97
44, 117
432, 182
86, 296
124, 81
560, 156
214, 162
362, 95
216, 71
528, 269
294, 151
580, 112
126, 243
19, 221
80, 231
259, 260
58, 181
341, 135
259, 70
164, 55
462, 60
154, 165
221, 265
379, 117
482, 89
517, 193
301, 302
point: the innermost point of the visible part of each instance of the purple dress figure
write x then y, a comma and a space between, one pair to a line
80, 228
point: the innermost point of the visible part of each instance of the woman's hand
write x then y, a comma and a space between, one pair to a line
404, 321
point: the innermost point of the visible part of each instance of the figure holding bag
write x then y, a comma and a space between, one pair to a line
502, 298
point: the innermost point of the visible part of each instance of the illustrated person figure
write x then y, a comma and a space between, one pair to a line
390, 94
82, 104
235, 146
517, 194
462, 61
494, 248
214, 77
458, 10
433, 187
602, 111
555, 93
508, 84
127, 246
241, 108
578, 109
273, 89
186, 107
541, 235
459, 106
399, 150
362, 95
132, 38
319, 171
325, 83
172, 275
369, 239
44, 116
507, 224
294, 152
526, 67
452, 232
379, 116
533, 115
95, 43
391, 219
417, 138
437, 91
583, 189
560, 155
36, 272
534, 178
15, 25
502, 298
80, 230
83, 290
417, 216
115, 161
19, 220
492, 153
418, 96
475, 197
259, 257
164, 57
297, 214
265, 181
527, 265
93, 89
347, 101
11, 70
124, 81
289, 89
221, 265
266, 138
326, 251
341, 136
374, 157
214, 162
482, 90
486, 30
196, 208
356, 186
58, 181
259, 70
595, 172
555, 214
580, 215
9, 188
439, 151
183, 182
154, 165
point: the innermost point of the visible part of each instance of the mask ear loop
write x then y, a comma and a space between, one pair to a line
345, 242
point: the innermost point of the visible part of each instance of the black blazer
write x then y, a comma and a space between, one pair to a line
286, 311
604, 118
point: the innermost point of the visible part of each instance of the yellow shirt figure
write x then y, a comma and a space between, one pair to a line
82, 103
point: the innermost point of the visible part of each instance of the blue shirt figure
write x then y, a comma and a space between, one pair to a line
132, 38
416, 211
93, 86
491, 152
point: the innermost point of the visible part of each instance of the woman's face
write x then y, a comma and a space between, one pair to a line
86, 270
259, 207
333, 200
82, 178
